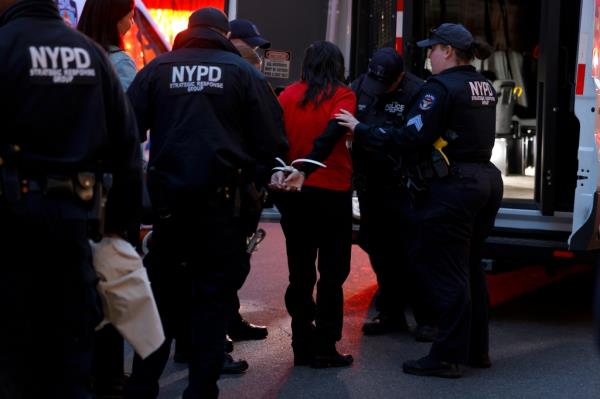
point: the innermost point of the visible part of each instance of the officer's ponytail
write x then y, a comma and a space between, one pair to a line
479, 49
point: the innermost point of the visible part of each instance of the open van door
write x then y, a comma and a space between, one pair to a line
586, 216
557, 126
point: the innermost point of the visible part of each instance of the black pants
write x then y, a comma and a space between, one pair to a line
454, 220
48, 299
183, 341
107, 359
386, 232
194, 266
317, 223
235, 318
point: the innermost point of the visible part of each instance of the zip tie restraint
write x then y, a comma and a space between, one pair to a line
290, 168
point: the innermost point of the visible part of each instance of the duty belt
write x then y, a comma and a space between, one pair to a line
81, 186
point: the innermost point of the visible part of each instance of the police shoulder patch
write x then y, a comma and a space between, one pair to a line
427, 102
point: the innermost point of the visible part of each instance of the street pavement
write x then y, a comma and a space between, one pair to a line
541, 345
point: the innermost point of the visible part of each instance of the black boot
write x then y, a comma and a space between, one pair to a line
326, 355
244, 331
427, 366
231, 366
384, 324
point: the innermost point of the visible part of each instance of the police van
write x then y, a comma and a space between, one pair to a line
545, 69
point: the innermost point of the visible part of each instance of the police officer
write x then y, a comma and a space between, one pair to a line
247, 39
458, 193
215, 128
385, 226
245, 34
66, 130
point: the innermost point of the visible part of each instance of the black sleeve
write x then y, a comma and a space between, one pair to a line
125, 162
138, 94
264, 118
424, 124
323, 145
355, 85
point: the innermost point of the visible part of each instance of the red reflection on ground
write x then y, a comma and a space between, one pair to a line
508, 286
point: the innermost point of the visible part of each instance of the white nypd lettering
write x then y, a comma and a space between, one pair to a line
62, 64
177, 75
195, 78
482, 92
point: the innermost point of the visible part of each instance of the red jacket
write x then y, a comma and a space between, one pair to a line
304, 124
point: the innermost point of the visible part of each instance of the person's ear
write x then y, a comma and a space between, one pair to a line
228, 35
448, 52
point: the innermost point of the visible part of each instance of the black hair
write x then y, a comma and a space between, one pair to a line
99, 20
479, 49
323, 72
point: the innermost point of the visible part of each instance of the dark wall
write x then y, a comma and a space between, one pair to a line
289, 25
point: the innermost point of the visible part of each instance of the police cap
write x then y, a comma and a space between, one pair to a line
384, 68
245, 30
455, 35
209, 17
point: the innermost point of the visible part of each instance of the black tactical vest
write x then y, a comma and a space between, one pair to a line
471, 113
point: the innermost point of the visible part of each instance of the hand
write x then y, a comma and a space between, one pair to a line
294, 181
345, 118
277, 181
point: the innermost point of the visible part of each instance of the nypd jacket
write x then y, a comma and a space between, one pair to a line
458, 99
62, 104
210, 115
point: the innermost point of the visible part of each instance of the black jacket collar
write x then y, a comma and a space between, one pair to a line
45, 9
201, 37
469, 68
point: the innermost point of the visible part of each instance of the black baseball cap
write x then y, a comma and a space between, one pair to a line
384, 68
245, 30
455, 35
209, 17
